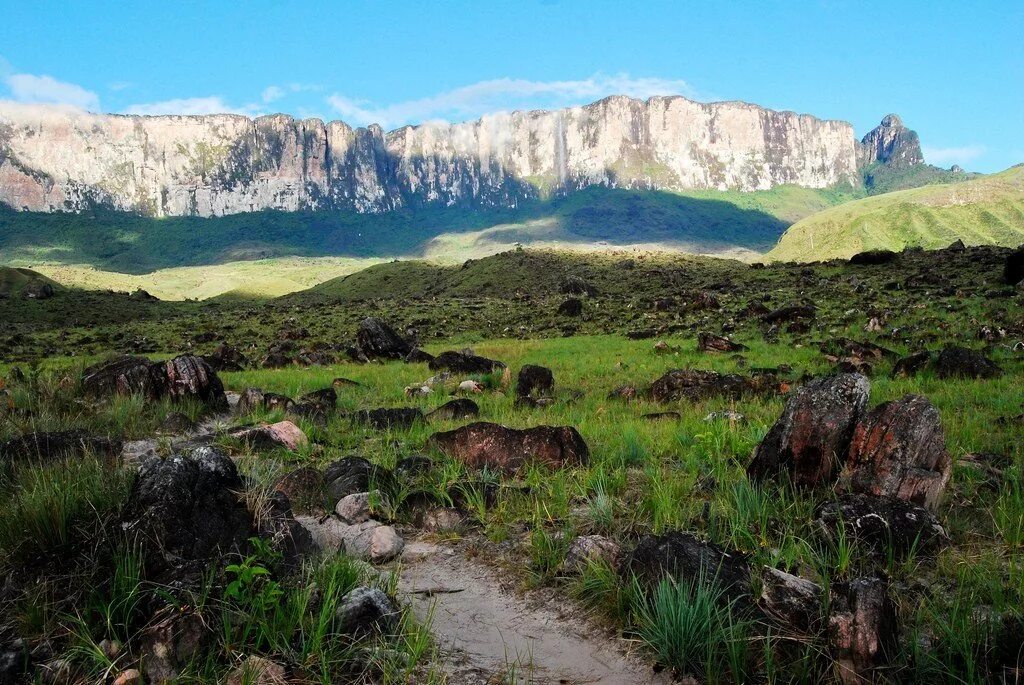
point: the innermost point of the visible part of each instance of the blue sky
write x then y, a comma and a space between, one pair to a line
953, 70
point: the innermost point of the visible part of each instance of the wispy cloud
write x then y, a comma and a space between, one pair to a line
201, 105
942, 156
272, 93
484, 97
48, 90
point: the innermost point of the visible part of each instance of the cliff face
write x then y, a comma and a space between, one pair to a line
54, 159
891, 143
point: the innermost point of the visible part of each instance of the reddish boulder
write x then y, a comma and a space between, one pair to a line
862, 629
189, 376
899, 450
490, 445
813, 434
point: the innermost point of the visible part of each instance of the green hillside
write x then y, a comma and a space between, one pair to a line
701, 221
13, 281
983, 211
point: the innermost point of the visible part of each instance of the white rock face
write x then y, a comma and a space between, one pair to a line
61, 159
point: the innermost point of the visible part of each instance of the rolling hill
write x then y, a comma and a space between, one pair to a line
13, 281
983, 211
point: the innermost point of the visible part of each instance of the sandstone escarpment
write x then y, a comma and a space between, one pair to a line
58, 159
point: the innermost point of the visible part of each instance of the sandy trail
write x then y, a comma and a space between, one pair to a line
488, 634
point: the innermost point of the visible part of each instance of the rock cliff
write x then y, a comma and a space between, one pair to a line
57, 159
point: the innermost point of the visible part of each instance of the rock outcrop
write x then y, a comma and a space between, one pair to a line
891, 143
61, 159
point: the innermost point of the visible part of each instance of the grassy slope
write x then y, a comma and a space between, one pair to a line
988, 210
14, 280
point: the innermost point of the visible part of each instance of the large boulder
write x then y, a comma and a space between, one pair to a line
961, 362
882, 524
863, 630
874, 257
490, 445
189, 506
125, 375
377, 340
685, 557
899, 449
464, 362
190, 377
813, 434
695, 385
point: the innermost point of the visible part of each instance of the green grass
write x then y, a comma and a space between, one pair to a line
983, 211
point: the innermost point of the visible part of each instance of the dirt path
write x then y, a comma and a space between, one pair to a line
491, 635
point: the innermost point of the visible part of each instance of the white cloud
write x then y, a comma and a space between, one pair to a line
271, 93
203, 105
943, 156
120, 85
475, 100
46, 89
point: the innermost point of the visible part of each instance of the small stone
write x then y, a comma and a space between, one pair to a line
355, 508
443, 520
256, 670
588, 549
131, 676
366, 609
385, 544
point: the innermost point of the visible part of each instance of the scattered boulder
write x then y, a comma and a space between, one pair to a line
1013, 272
494, 446
373, 541
726, 415
125, 375
576, 285
463, 362
443, 520
256, 670
709, 342
695, 385
252, 399
862, 628
624, 392
188, 506
226, 358
418, 356
899, 450
385, 419
874, 257
283, 434
326, 398
791, 313
455, 410
170, 642
176, 423
960, 362
37, 290
377, 340
687, 558
366, 609
882, 523
355, 474
813, 434
470, 386
571, 307
54, 445
535, 381
589, 549
911, 365
415, 465
791, 600
190, 377
304, 488
355, 508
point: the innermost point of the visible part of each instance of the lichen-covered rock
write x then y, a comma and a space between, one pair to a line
886, 525
695, 385
793, 601
862, 628
490, 445
687, 558
911, 364
170, 642
355, 474
252, 399
366, 609
589, 549
283, 434
899, 449
256, 670
534, 381
813, 434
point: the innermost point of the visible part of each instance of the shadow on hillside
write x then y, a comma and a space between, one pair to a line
134, 244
